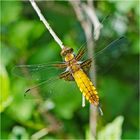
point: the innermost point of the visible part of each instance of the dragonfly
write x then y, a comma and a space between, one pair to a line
73, 68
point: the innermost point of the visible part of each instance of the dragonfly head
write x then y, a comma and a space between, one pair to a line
67, 53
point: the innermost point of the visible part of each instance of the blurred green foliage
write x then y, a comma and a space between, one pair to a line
25, 40
107, 134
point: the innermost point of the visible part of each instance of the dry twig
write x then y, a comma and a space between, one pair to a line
87, 24
42, 18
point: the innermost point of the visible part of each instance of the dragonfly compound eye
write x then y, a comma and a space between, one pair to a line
70, 50
66, 50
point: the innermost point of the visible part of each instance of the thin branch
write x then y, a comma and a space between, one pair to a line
42, 18
40, 134
82, 9
90, 11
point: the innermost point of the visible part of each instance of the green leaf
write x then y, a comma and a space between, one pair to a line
8, 52
10, 11
18, 34
18, 132
110, 88
45, 53
128, 5
21, 108
24, 32
5, 99
112, 131
135, 47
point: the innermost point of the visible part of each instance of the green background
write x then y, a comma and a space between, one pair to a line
25, 40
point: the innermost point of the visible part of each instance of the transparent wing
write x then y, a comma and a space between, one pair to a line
110, 55
45, 82
111, 47
114, 47
53, 89
37, 72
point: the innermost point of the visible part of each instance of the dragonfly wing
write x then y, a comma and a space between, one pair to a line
85, 65
38, 72
36, 91
67, 76
60, 65
80, 53
53, 89
106, 57
110, 55
114, 46
46, 82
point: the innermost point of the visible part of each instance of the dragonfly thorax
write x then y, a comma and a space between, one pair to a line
67, 53
69, 57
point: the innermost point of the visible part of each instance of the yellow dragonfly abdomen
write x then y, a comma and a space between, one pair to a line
86, 87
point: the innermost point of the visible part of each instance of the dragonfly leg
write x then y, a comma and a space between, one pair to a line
100, 110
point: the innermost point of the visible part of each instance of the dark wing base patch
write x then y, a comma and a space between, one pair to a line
86, 65
67, 76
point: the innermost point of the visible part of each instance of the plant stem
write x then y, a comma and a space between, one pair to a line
42, 18
81, 9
